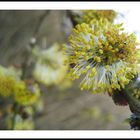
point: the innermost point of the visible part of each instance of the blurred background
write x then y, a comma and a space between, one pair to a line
63, 105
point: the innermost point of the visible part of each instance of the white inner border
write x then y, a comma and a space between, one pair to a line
69, 6
70, 134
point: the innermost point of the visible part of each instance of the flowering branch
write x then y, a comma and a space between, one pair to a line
107, 58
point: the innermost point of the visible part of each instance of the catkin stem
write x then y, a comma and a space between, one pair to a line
15, 108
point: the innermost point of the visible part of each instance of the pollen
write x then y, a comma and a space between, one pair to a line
104, 55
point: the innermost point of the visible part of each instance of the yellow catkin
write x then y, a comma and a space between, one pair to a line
26, 94
88, 15
6, 85
105, 55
